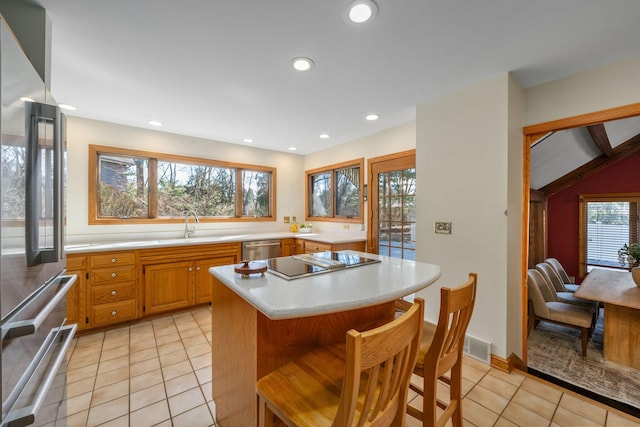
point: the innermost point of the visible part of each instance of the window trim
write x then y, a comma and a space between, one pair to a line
96, 150
331, 169
582, 222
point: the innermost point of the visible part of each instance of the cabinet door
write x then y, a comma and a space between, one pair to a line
168, 286
204, 279
77, 300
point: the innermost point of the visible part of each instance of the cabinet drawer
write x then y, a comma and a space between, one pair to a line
112, 293
106, 260
76, 263
316, 247
105, 314
113, 275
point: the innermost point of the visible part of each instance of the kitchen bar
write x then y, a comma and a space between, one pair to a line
261, 322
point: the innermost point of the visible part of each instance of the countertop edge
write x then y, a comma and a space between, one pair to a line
330, 238
429, 273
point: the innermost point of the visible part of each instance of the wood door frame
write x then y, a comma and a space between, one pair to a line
395, 161
531, 134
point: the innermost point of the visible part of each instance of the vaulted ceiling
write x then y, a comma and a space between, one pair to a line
562, 158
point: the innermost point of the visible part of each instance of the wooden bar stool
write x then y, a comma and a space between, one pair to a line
366, 386
441, 352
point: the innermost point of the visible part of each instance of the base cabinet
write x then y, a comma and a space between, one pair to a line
168, 286
177, 278
111, 288
77, 295
204, 280
119, 286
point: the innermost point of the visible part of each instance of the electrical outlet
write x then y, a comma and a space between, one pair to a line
286, 220
345, 226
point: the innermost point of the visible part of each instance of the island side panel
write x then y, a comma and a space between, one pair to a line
233, 352
280, 341
621, 335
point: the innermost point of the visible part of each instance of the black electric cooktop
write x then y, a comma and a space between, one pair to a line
298, 266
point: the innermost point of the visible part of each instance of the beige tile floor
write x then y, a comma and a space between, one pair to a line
158, 373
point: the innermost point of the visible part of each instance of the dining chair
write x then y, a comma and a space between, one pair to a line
365, 383
442, 353
569, 282
552, 281
547, 307
551, 275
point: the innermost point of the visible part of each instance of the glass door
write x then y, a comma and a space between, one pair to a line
392, 213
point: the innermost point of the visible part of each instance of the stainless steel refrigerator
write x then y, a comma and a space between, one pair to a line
33, 287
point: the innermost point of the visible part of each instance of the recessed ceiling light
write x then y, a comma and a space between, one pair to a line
302, 64
155, 123
361, 11
324, 136
25, 99
292, 148
247, 140
372, 117
67, 107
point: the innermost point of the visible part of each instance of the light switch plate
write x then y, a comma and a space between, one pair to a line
442, 227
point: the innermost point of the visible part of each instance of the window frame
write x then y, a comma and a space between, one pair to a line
331, 169
584, 199
96, 150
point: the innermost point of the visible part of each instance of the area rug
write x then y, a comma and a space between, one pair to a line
556, 351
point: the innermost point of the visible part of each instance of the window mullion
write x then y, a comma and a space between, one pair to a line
239, 194
153, 188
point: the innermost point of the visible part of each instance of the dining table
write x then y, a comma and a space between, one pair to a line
620, 296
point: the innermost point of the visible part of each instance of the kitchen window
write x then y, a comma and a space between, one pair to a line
136, 186
607, 222
334, 193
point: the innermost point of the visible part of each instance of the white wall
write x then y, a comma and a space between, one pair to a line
82, 132
462, 175
609, 86
392, 140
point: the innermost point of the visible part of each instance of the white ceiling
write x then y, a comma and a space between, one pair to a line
219, 69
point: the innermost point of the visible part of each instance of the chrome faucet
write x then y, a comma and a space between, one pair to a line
190, 232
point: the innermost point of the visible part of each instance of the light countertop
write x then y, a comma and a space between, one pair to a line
331, 238
330, 292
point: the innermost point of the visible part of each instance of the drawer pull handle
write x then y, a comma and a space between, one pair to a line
113, 313
190, 269
114, 293
114, 260
113, 274
197, 268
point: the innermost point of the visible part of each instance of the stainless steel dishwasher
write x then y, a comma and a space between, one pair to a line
261, 249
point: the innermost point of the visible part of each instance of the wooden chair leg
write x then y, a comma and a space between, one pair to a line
265, 416
585, 340
455, 393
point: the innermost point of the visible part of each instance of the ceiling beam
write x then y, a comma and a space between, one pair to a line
620, 152
599, 135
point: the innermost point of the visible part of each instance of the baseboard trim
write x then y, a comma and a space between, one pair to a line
500, 363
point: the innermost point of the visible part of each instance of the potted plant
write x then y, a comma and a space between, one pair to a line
629, 254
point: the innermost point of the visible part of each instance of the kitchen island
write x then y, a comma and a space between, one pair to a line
262, 322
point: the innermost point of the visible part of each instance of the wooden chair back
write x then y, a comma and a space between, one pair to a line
446, 350
379, 365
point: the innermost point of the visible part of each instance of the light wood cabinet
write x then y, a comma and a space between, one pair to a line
111, 288
119, 286
291, 247
168, 286
77, 295
179, 277
204, 280
310, 246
